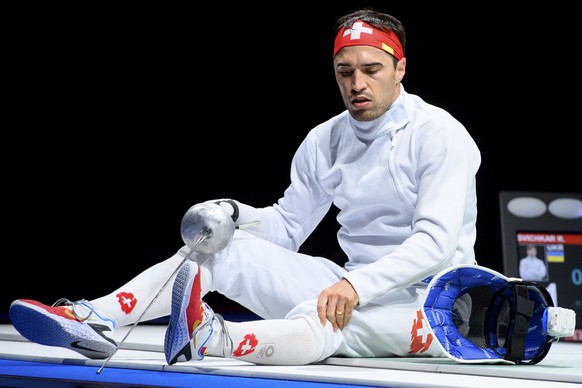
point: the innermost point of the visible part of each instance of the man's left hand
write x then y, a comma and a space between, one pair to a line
336, 304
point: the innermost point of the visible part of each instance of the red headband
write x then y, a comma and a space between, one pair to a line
363, 34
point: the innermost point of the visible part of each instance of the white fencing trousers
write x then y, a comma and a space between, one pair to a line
263, 277
390, 327
274, 282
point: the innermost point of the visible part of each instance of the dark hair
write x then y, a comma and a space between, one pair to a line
379, 20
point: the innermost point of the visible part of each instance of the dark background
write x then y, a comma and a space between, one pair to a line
117, 120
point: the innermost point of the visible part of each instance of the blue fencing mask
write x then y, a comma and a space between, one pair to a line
478, 315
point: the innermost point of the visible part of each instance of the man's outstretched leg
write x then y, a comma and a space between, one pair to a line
195, 331
87, 327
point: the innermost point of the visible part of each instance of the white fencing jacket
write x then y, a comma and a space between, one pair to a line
405, 188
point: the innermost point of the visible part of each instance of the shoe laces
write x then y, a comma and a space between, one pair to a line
74, 305
226, 341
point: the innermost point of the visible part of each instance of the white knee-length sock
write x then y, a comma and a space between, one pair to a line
297, 341
126, 304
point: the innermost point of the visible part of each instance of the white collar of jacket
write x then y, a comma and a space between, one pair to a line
392, 120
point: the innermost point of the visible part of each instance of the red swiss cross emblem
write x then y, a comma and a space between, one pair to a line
126, 301
246, 346
420, 335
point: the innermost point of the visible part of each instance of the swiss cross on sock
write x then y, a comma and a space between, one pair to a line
127, 301
246, 346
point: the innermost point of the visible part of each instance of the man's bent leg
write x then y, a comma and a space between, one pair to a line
267, 279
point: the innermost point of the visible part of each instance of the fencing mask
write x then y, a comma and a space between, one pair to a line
478, 315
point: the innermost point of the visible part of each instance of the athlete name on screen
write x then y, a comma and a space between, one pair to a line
549, 238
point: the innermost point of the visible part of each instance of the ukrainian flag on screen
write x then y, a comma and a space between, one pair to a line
556, 256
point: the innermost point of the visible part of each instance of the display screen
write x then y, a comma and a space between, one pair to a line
542, 242
555, 261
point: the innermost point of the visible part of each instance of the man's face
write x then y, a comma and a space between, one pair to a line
367, 80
